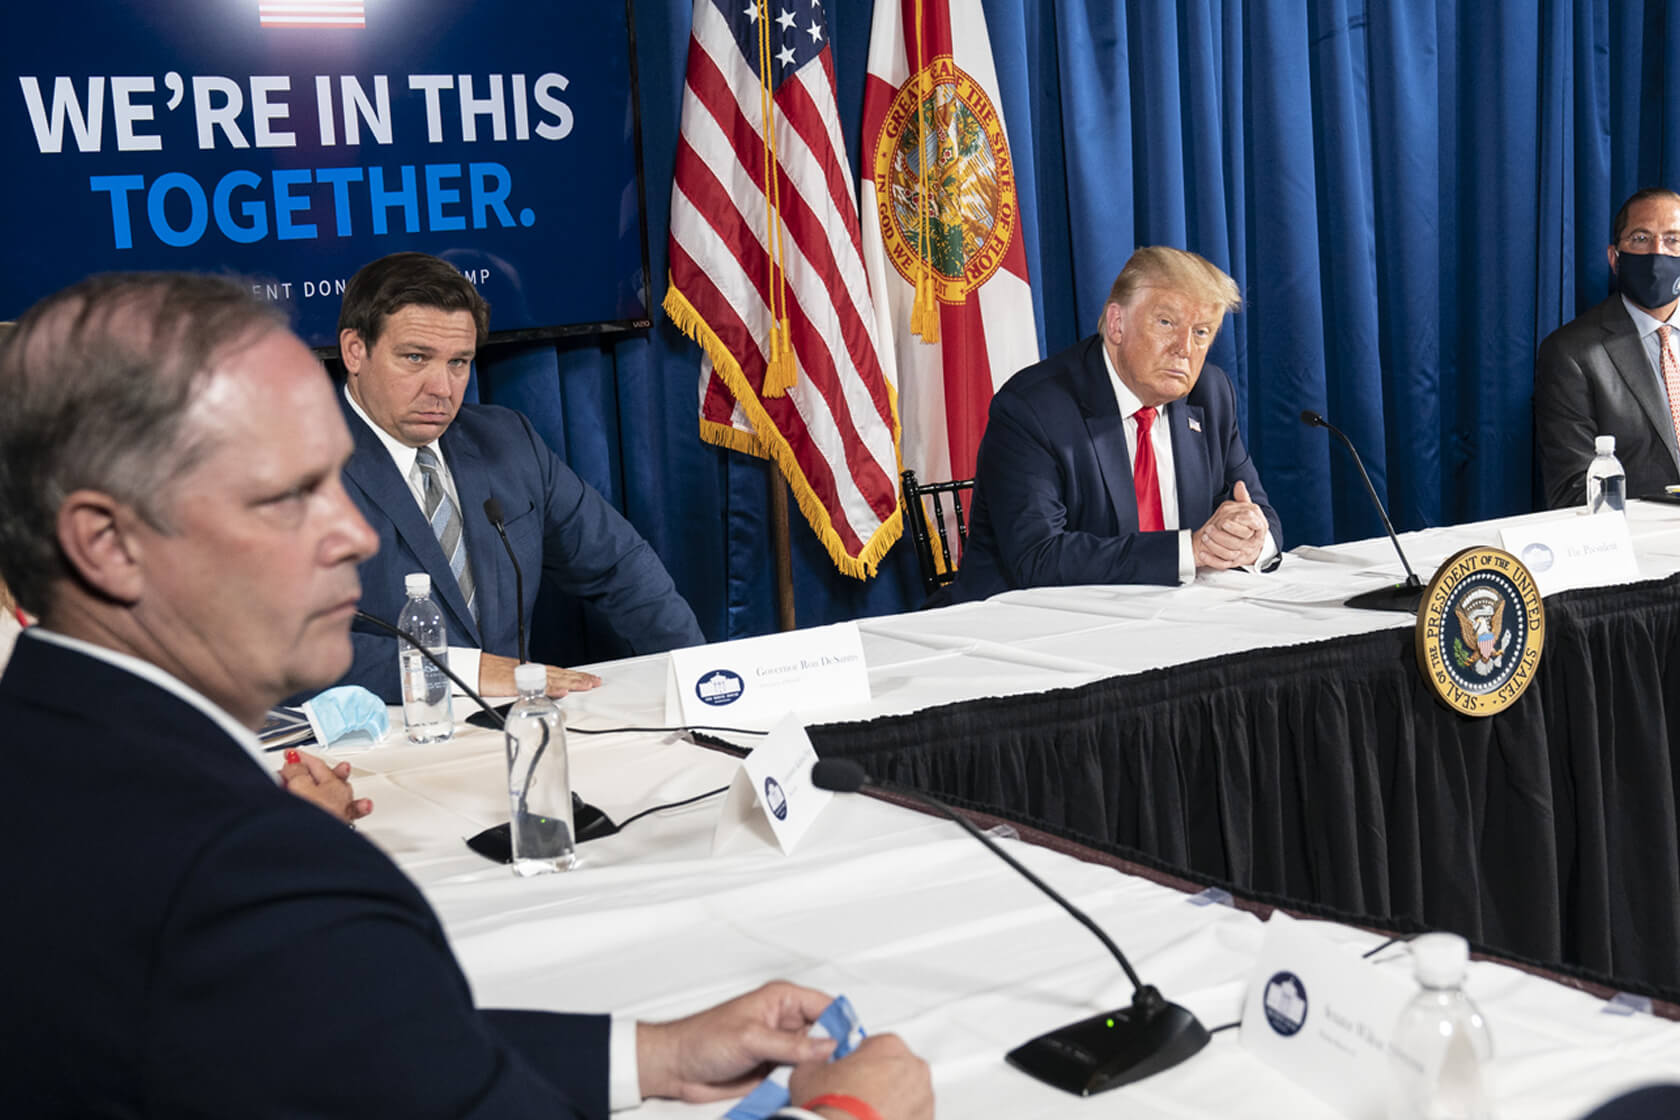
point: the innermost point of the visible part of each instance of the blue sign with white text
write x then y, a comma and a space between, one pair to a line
292, 144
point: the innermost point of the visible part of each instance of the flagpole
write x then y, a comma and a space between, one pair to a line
783, 554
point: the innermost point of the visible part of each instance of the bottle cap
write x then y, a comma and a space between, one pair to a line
1439, 960
417, 583
531, 677
1605, 445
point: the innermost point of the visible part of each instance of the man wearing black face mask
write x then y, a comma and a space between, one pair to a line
1615, 369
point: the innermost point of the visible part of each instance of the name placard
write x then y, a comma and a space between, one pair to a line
1322, 1016
1574, 550
753, 682
773, 789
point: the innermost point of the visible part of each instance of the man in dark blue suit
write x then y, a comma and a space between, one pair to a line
408, 330
184, 937
1119, 460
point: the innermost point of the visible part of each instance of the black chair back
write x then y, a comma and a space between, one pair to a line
924, 506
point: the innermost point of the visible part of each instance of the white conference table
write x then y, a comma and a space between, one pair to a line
929, 936
1063, 637
1206, 807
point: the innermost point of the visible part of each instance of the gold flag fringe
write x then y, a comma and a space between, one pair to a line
767, 441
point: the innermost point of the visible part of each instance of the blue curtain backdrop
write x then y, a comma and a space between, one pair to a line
1411, 195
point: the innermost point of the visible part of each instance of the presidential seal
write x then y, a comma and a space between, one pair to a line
1480, 630
1285, 1003
944, 182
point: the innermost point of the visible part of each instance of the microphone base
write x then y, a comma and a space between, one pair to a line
1397, 597
588, 822
1107, 1051
491, 720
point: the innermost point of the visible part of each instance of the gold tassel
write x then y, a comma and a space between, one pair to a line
782, 373
924, 313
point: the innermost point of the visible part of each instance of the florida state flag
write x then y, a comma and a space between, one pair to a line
942, 235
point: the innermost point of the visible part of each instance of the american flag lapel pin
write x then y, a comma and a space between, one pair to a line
1195, 424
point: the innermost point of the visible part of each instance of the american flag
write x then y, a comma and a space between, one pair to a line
311, 13
760, 257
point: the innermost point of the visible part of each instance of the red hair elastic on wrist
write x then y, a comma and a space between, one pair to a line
849, 1105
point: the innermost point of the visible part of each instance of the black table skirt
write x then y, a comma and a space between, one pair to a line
1328, 774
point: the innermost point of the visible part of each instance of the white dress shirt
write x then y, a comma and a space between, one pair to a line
1647, 325
1160, 438
145, 670
10, 628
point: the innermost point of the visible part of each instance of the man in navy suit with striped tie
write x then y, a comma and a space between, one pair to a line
424, 466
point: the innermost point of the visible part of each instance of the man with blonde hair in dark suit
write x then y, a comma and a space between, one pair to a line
1119, 460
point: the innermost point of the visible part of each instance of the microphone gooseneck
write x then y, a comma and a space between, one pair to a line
841, 775
493, 510
1095, 1054
588, 821
437, 663
484, 705
1386, 599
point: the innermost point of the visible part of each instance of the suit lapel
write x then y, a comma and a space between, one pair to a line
1107, 431
1190, 464
371, 470
1627, 352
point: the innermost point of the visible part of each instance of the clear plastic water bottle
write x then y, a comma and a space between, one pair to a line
428, 713
1441, 1043
539, 778
1606, 481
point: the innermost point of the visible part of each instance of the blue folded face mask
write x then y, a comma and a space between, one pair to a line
348, 715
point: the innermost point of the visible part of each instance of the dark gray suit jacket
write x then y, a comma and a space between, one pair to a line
1592, 378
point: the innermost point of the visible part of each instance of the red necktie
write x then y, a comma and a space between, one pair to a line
1144, 478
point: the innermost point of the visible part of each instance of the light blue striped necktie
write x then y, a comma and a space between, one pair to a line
445, 520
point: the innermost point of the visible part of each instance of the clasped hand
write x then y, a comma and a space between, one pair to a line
326, 787
1234, 536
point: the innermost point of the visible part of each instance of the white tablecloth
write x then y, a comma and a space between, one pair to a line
1063, 637
928, 935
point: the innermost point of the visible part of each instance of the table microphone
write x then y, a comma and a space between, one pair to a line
495, 842
1396, 597
1095, 1054
493, 510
